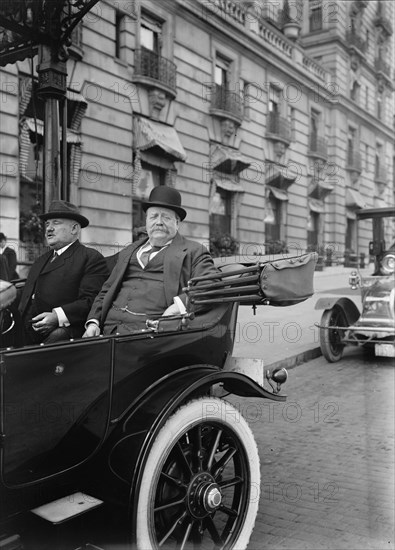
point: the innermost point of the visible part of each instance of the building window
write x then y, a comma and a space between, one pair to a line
223, 96
366, 97
220, 213
313, 224
274, 100
366, 158
380, 106
248, 96
315, 126
293, 123
221, 77
350, 235
119, 30
272, 222
378, 162
150, 177
150, 34
315, 15
352, 146
354, 94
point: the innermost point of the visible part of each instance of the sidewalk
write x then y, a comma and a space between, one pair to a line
288, 335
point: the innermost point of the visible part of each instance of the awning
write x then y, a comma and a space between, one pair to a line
320, 190
228, 185
156, 160
228, 160
72, 136
75, 96
280, 180
354, 199
278, 194
316, 205
149, 134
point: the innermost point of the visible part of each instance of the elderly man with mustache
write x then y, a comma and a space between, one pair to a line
149, 276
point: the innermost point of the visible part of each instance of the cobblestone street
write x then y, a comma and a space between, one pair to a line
327, 457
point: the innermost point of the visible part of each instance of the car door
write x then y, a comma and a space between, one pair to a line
55, 407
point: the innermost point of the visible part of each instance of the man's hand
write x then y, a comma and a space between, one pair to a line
91, 330
171, 310
46, 322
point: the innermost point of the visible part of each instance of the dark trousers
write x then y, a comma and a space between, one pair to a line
32, 337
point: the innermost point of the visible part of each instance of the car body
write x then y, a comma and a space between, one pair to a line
137, 426
374, 326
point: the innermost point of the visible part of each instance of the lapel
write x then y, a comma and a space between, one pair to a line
126, 255
172, 266
118, 274
61, 260
34, 274
38, 266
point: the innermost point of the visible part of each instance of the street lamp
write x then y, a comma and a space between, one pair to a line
31, 27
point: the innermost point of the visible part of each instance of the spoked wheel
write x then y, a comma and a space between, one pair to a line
331, 339
201, 482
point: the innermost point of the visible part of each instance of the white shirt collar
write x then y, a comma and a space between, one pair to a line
146, 246
60, 251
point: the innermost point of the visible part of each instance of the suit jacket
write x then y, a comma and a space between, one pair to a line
4, 268
183, 260
10, 255
71, 282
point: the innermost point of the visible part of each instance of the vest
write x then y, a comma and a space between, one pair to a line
142, 294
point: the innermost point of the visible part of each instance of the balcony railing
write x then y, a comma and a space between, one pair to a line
354, 161
278, 127
318, 147
153, 66
227, 102
355, 41
382, 67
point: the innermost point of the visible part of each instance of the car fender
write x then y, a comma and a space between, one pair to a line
139, 427
349, 308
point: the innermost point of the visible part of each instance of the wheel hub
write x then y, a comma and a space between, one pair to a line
204, 495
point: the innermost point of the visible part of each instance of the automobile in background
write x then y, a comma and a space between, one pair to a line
373, 327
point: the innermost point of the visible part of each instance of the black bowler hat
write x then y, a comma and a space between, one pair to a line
64, 209
168, 197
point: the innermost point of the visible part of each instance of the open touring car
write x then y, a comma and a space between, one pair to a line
133, 430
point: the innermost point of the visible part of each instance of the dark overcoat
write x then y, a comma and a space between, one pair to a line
10, 255
71, 282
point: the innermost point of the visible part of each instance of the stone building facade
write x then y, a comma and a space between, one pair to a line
276, 122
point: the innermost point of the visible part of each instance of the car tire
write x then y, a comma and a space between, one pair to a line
201, 480
331, 339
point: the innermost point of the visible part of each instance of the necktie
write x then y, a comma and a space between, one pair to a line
55, 255
144, 257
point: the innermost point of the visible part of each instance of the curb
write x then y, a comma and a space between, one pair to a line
295, 360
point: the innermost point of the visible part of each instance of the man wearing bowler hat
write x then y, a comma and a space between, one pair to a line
63, 282
149, 276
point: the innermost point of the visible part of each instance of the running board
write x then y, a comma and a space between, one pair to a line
66, 508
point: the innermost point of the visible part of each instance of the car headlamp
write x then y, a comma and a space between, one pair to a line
387, 264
